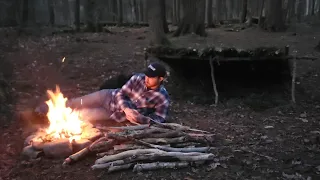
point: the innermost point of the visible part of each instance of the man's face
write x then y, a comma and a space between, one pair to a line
152, 82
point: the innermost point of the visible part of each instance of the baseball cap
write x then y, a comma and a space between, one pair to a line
155, 70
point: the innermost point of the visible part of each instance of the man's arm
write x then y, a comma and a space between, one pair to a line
124, 94
160, 114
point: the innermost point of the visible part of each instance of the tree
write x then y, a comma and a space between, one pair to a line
274, 19
193, 18
77, 15
120, 12
164, 18
244, 11
209, 13
51, 12
155, 19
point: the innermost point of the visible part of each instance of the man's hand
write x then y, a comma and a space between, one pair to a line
131, 115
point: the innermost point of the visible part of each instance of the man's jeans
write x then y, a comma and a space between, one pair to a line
94, 106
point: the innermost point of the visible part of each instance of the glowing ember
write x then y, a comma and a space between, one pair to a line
64, 122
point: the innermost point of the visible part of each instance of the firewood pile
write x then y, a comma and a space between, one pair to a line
148, 147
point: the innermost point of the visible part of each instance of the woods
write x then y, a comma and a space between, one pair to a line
242, 79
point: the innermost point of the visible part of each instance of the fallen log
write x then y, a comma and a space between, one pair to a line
159, 165
166, 156
126, 154
164, 148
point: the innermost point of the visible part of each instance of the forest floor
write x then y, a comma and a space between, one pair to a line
278, 141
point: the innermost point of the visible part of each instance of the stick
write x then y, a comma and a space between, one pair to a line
164, 148
102, 145
159, 165
76, 156
177, 156
165, 140
214, 82
118, 168
126, 154
140, 127
293, 81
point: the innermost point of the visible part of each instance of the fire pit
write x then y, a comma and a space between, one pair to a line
66, 134
140, 147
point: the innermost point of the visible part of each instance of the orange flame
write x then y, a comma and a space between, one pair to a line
64, 122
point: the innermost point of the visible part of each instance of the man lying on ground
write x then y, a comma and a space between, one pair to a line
142, 99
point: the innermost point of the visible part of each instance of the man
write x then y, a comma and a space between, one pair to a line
141, 100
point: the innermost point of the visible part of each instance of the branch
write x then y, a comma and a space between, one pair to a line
164, 148
159, 165
126, 154
169, 156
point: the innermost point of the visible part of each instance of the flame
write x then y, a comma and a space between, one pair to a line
64, 122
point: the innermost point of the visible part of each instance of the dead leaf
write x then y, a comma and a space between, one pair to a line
213, 166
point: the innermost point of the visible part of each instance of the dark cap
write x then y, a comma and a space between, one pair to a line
155, 70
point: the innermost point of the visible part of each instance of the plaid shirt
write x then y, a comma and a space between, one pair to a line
134, 94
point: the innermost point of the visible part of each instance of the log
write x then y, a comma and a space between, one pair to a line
165, 140
168, 156
164, 148
126, 154
159, 165
139, 127
76, 156
102, 145
119, 168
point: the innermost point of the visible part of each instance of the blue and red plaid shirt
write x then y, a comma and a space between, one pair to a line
134, 94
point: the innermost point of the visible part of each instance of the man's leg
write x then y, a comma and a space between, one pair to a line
98, 101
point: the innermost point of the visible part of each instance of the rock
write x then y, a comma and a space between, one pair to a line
29, 152
58, 149
80, 144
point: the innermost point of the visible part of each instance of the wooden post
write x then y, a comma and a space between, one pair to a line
214, 82
293, 81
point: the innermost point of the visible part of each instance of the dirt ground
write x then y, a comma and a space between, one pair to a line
278, 142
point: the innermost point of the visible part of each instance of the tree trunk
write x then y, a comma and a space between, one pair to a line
77, 15
301, 9
236, 9
318, 9
90, 16
274, 19
178, 11
290, 10
51, 12
25, 13
193, 18
141, 10
65, 11
174, 12
114, 10
209, 14
135, 12
145, 10
120, 12
313, 7
218, 10
244, 11
261, 18
230, 7
164, 18
158, 36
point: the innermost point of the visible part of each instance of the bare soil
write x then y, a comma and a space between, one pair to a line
280, 141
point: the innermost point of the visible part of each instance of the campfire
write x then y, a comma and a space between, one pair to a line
139, 147
66, 132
